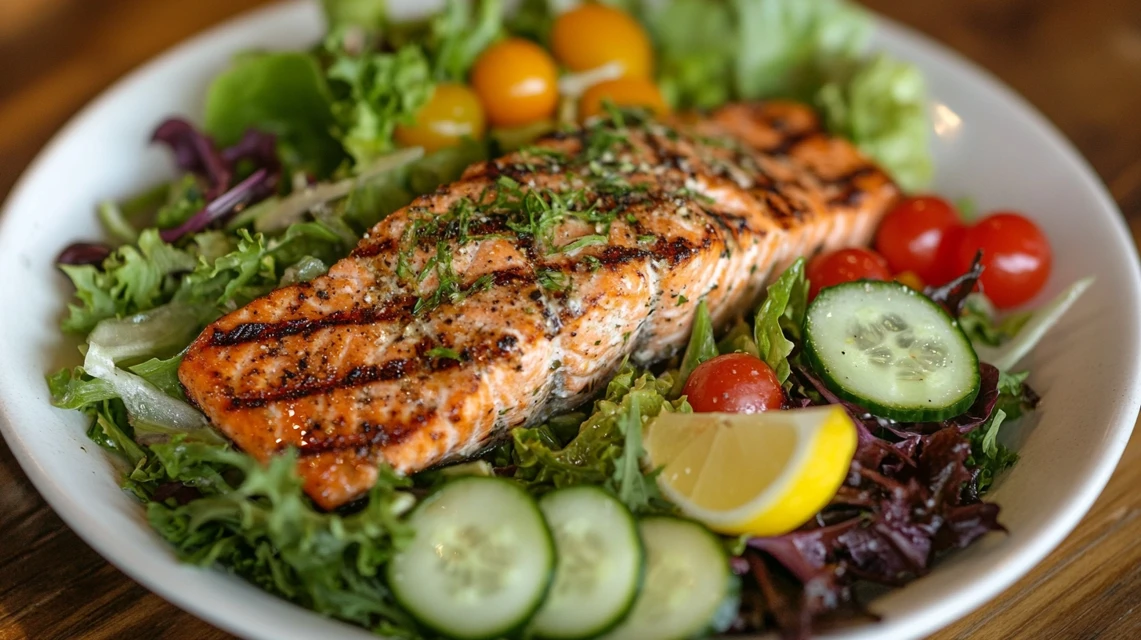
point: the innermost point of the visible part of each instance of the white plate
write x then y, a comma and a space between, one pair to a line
989, 144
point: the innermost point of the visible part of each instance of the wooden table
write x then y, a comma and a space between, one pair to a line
1079, 61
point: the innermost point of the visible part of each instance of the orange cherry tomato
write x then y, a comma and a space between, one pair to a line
517, 82
453, 113
623, 92
592, 35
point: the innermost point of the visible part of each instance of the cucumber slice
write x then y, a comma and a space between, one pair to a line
599, 568
891, 350
689, 590
480, 561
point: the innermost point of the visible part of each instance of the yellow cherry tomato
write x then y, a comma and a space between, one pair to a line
623, 92
452, 113
517, 82
592, 35
911, 279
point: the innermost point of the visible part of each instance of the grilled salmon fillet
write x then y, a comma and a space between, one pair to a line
515, 292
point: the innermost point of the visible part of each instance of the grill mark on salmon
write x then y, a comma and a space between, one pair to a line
391, 370
374, 249
343, 368
263, 331
366, 439
357, 376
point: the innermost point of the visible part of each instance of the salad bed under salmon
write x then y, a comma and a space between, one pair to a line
513, 293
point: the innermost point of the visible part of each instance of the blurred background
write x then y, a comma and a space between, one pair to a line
1078, 61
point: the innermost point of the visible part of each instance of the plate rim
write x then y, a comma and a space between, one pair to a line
914, 623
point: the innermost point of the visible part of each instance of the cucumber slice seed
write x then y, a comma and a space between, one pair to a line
689, 590
480, 562
892, 351
599, 565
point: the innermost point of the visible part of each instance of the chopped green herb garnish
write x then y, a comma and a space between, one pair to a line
444, 352
553, 280
584, 241
448, 287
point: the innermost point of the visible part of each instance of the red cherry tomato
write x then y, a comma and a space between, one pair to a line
948, 255
1016, 257
845, 265
733, 383
910, 234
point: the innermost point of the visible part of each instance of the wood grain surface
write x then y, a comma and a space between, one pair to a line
1079, 61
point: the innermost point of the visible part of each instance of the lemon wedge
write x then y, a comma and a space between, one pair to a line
761, 474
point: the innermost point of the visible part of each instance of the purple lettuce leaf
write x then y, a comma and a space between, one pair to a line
195, 152
81, 253
953, 295
256, 146
906, 499
983, 406
967, 523
259, 185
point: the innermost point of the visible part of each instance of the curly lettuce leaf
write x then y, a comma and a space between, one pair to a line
132, 279
881, 105
256, 263
989, 457
596, 453
266, 530
73, 389
460, 33
109, 430
219, 506
184, 198
780, 317
451, 38
979, 321
212, 270
1015, 397
374, 92
636, 489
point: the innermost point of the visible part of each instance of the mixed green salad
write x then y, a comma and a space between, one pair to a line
300, 152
